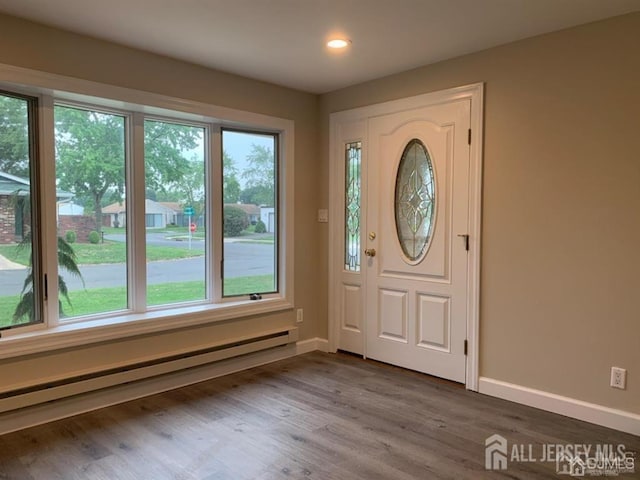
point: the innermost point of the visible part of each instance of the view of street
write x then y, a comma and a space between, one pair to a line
243, 258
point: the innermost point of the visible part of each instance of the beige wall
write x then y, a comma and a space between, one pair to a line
37, 47
561, 203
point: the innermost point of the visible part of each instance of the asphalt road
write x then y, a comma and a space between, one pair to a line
241, 259
161, 240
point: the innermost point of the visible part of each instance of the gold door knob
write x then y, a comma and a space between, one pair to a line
370, 252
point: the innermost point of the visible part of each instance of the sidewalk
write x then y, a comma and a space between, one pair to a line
9, 265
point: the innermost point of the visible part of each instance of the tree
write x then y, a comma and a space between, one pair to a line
66, 260
165, 148
257, 195
190, 189
90, 153
260, 227
230, 183
235, 221
14, 136
260, 176
151, 194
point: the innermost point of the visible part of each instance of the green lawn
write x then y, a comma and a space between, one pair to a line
107, 252
265, 241
265, 238
167, 229
183, 236
85, 302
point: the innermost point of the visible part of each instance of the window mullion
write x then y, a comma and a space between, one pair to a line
215, 206
49, 213
137, 249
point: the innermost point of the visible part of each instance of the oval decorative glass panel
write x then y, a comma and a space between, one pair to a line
415, 200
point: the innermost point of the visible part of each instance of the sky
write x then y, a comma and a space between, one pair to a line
238, 147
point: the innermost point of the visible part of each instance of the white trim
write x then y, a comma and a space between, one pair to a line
48, 216
215, 219
473, 93
112, 328
136, 202
589, 412
59, 409
311, 345
475, 234
322, 344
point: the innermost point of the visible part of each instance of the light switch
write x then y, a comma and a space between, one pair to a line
323, 215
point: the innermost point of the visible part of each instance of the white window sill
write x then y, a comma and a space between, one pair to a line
131, 324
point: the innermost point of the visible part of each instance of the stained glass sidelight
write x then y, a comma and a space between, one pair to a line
414, 200
353, 157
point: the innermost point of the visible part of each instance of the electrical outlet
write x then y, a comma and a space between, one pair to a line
299, 315
618, 377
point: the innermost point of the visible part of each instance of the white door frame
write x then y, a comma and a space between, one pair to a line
474, 93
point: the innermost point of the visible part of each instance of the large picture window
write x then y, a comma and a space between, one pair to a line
146, 213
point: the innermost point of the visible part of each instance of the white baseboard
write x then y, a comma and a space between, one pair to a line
322, 345
589, 412
67, 407
311, 345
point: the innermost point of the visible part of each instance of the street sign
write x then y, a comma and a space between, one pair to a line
192, 227
188, 211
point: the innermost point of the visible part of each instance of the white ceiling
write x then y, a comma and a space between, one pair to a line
282, 41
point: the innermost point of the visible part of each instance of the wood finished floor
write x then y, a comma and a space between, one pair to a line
316, 416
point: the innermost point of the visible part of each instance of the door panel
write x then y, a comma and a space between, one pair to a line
351, 312
392, 260
392, 321
434, 322
416, 307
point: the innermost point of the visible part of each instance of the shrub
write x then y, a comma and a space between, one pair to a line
94, 237
260, 227
70, 236
235, 221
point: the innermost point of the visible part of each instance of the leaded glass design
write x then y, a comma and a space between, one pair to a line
414, 200
353, 158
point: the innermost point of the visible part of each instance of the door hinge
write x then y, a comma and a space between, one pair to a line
46, 287
466, 346
469, 137
222, 269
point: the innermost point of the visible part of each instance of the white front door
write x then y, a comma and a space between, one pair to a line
415, 266
404, 232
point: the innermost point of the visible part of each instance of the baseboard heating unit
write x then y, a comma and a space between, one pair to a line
38, 394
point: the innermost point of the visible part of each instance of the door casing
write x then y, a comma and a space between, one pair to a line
339, 122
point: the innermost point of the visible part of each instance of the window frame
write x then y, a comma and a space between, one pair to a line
128, 182
277, 154
38, 286
53, 89
209, 185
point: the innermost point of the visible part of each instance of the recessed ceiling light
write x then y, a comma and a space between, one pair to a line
338, 43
